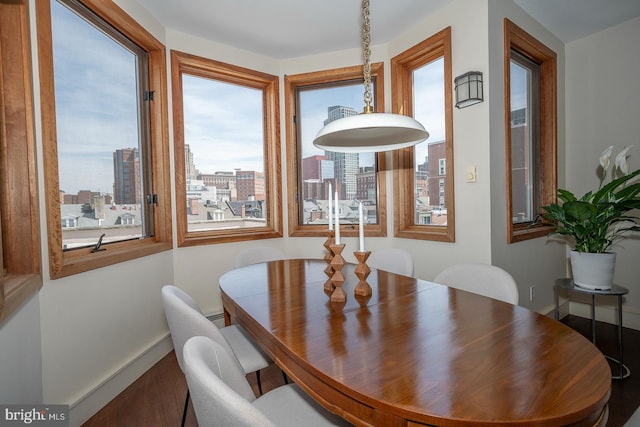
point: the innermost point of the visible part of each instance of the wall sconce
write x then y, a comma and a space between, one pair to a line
468, 89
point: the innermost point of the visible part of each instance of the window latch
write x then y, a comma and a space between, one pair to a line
97, 247
152, 198
148, 95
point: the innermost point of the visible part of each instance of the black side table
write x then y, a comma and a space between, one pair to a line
617, 291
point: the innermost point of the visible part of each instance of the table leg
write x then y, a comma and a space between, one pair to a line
227, 317
593, 318
620, 335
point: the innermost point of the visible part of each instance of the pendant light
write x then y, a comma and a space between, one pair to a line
369, 131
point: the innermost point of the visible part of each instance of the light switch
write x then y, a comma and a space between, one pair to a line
471, 175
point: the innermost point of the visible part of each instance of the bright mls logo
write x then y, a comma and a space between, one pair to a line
34, 415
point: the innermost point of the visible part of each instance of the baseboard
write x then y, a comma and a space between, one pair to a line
607, 313
550, 310
89, 404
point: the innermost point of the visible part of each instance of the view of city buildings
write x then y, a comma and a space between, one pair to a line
223, 199
88, 214
236, 198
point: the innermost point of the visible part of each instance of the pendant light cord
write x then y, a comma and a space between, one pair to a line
366, 53
368, 132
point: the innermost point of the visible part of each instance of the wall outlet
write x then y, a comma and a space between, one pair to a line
532, 293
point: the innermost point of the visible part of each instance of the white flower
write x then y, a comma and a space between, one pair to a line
621, 162
604, 158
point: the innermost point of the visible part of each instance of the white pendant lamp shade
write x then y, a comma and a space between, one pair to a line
370, 132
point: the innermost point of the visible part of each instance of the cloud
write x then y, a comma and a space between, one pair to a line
428, 104
96, 101
518, 76
223, 125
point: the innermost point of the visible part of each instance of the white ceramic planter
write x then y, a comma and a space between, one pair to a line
593, 271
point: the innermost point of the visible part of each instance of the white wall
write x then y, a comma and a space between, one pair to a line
21, 355
603, 108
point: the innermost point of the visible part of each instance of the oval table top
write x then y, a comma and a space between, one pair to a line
415, 352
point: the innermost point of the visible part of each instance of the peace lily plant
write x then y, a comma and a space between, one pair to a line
597, 220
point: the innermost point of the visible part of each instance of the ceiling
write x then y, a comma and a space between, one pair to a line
292, 28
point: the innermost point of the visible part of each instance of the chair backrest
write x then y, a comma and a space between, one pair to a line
483, 279
258, 254
186, 320
219, 390
393, 260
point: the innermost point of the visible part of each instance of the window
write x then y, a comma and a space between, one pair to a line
20, 275
530, 134
312, 100
104, 136
422, 88
226, 125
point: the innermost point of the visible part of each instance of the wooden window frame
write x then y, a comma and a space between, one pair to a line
294, 160
526, 45
65, 263
20, 270
402, 67
207, 68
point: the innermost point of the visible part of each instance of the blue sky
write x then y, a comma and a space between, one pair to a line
518, 77
428, 104
223, 125
95, 102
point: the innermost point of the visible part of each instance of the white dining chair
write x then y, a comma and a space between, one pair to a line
186, 320
258, 254
393, 260
483, 279
222, 395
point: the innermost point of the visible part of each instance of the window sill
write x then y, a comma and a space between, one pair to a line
212, 237
81, 260
519, 233
351, 230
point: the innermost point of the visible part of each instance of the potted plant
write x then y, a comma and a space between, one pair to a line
593, 223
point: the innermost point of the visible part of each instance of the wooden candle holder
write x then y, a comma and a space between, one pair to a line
337, 278
362, 272
328, 257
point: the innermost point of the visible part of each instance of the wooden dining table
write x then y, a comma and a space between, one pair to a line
416, 353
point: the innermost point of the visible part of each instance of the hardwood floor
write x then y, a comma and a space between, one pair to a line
625, 394
157, 397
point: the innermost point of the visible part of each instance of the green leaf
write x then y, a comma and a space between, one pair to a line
579, 210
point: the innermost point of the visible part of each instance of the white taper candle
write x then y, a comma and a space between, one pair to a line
337, 221
330, 208
361, 226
